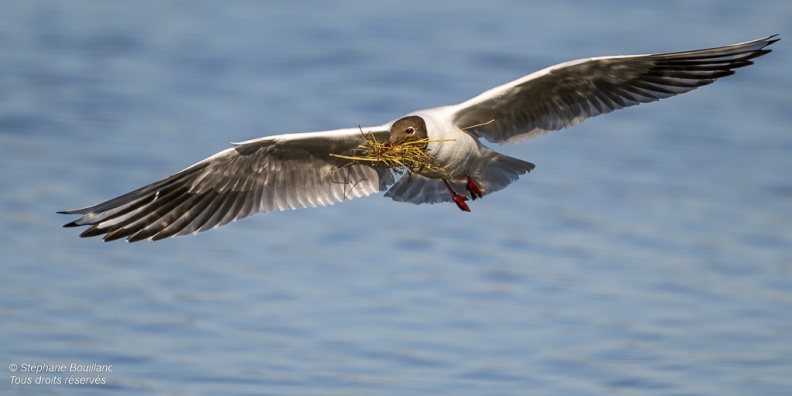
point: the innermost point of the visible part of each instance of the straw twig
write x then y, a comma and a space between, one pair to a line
405, 155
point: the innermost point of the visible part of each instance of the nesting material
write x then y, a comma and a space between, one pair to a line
405, 155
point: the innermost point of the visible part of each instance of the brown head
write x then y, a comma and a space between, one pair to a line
409, 128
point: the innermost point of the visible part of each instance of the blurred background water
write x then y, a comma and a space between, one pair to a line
648, 253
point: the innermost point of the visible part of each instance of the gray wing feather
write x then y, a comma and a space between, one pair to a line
274, 173
565, 94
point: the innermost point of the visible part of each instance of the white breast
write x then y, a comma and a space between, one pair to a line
454, 149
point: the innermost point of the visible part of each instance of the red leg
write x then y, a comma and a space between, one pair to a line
473, 189
458, 199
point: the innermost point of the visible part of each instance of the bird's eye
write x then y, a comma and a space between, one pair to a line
409, 130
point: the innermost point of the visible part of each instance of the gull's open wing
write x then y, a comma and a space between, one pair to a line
563, 95
277, 172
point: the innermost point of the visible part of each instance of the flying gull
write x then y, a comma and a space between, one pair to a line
319, 168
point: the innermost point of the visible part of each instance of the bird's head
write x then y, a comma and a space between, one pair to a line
408, 129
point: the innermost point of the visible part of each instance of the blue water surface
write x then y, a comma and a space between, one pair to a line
647, 254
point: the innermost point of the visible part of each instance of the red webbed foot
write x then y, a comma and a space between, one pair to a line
459, 199
473, 189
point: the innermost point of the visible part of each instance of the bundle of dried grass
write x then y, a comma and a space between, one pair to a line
409, 155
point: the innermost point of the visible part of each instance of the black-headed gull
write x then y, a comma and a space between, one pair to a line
303, 169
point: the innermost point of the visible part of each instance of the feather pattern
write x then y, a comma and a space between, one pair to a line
565, 94
273, 173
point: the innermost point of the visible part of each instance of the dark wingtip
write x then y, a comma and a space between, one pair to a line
112, 235
770, 40
72, 212
530, 168
92, 232
70, 225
